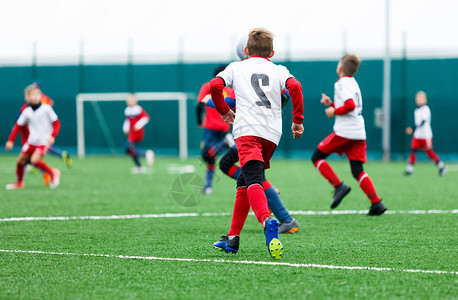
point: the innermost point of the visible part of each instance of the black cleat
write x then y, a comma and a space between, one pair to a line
341, 191
377, 209
232, 245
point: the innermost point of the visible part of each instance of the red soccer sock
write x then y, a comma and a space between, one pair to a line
234, 171
412, 158
367, 186
431, 154
327, 172
20, 172
43, 167
241, 210
258, 202
267, 185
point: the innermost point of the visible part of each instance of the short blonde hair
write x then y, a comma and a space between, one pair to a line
30, 88
350, 64
421, 93
260, 42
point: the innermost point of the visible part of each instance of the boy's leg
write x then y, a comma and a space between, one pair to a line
324, 168
434, 157
130, 150
341, 190
275, 203
227, 163
411, 162
253, 172
365, 182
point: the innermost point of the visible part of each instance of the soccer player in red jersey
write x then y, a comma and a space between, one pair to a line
43, 127
257, 84
134, 128
216, 136
422, 139
349, 135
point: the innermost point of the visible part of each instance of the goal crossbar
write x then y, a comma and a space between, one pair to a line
150, 96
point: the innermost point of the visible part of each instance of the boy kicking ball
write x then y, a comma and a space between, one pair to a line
257, 130
349, 135
43, 127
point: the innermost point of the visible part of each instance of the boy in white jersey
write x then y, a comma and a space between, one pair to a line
257, 129
43, 127
422, 135
349, 135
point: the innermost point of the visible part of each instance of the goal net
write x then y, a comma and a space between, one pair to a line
99, 122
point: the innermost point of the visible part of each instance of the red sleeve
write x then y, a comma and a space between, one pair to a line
144, 114
14, 132
204, 90
216, 91
297, 99
348, 106
55, 128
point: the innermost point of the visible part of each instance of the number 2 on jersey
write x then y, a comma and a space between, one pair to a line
257, 88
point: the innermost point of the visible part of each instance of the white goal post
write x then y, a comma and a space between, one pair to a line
150, 96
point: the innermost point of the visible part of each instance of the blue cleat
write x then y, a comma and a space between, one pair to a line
273, 243
221, 245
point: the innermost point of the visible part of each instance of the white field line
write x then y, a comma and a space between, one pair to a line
182, 215
247, 262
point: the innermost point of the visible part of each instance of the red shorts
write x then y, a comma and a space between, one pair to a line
30, 149
255, 148
354, 149
421, 144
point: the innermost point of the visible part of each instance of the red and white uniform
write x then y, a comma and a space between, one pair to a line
42, 123
257, 84
212, 119
423, 135
349, 134
349, 125
136, 119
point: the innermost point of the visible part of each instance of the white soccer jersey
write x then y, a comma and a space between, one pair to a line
423, 123
40, 123
257, 84
350, 125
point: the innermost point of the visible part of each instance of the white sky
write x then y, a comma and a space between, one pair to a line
209, 28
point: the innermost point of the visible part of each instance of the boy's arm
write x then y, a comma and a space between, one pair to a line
297, 99
14, 132
125, 126
142, 122
348, 106
216, 90
230, 101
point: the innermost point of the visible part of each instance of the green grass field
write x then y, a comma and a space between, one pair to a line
103, 186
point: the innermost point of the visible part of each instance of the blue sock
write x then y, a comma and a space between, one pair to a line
279, 210
209, 178
136, 160
56, 151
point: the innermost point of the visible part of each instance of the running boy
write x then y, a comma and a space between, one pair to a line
43, 126
422, 139
133, 127
257, 84
216, 136
349, 135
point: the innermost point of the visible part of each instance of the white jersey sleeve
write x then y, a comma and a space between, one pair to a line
51, 114
24, 117
227, 74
